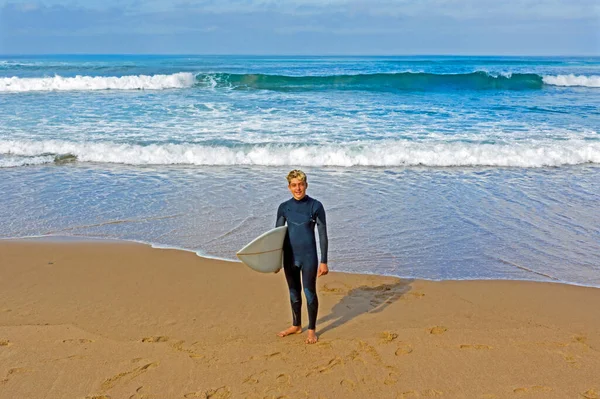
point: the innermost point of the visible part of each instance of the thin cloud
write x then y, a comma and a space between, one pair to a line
306, 26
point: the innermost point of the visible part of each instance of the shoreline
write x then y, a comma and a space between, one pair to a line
90, 239
90, 320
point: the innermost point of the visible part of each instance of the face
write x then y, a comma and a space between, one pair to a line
298, 188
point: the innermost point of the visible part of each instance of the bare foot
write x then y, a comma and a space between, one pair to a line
312, 337
291, 330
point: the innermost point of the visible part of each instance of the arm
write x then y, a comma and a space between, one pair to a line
280, 217
280, 220
322, 229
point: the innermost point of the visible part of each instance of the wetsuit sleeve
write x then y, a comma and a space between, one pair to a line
322, 229
280, 217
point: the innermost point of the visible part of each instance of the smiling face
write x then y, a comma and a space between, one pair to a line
298, 188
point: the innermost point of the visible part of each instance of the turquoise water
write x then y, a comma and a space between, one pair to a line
429, 167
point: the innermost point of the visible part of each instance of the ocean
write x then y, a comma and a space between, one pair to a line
432, 167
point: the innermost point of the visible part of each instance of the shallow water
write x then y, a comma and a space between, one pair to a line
535, 224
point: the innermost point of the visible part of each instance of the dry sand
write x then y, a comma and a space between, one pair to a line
122, 320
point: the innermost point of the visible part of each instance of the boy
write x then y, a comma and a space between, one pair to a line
302, 213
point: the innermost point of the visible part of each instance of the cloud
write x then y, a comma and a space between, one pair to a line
303, 26
460, 9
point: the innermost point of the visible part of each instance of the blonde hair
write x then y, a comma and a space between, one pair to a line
296, 174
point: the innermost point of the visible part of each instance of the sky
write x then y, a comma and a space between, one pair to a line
301, 27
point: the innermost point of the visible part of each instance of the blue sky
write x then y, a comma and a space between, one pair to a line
317, 27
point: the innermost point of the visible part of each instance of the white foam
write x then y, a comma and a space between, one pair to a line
12, 161
573, 80
84, 83
383, 153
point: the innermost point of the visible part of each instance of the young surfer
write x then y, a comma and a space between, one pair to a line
302, 213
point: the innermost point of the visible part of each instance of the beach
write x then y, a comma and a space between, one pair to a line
115, 319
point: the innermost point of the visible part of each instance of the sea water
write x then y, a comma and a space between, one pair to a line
428, 167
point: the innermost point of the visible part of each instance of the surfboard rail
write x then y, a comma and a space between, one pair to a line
265, 253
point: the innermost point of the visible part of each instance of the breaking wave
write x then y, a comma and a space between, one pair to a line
84, 83
402, 81
376, 154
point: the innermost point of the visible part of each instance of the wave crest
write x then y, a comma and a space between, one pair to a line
378, 154
85, 83
573, 80
375, 82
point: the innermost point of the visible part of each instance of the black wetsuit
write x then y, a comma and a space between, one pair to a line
300, 252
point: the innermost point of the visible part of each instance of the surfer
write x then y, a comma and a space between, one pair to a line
302, 213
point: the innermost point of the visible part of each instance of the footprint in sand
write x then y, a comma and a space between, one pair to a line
272, 393
332, 363
253, 378
335, 287
403, 349
591, 394
355, 356
219, 393
336, 361
178, 346
437, 330
13, 371
77, 341
570, 359
283, 379
475, 346
580, 339
388, 336
5, 342
533, 389
391, 379
159, 338
348, 384
127, 376
365, 347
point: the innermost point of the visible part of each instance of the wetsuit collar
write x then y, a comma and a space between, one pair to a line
304, 199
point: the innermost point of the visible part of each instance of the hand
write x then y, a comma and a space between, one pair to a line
323, 270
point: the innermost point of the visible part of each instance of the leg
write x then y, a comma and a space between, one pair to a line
292, 276
309, 280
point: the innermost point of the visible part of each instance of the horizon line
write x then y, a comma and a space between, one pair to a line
299, 55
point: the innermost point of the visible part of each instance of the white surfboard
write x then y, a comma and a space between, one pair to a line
265, 253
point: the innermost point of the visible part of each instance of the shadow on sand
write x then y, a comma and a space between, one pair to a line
362, 300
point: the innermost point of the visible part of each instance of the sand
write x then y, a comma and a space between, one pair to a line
122, 320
